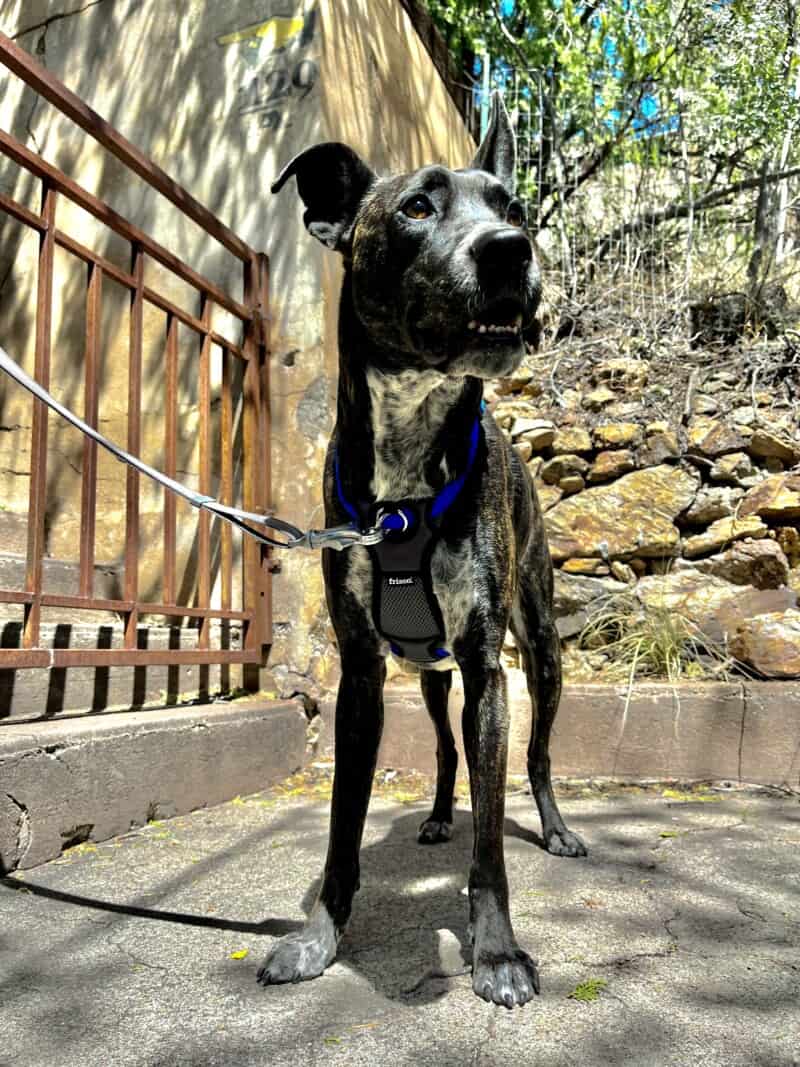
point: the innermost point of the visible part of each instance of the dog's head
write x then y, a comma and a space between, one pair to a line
443, 271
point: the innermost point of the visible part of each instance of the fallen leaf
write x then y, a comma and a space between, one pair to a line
239, 954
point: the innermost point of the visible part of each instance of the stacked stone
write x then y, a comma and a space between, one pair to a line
699, 513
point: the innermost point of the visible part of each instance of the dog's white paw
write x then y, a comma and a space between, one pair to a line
507, 978
302, 955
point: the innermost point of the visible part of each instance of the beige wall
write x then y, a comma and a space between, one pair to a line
190, 84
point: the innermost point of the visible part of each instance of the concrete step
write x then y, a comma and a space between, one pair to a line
742, 732
59, 577
35, 693
90, 779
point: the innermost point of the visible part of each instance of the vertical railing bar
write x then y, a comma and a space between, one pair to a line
171, 459
204, 521
38, 476
264, 447
94, 291
251, 417
134, 445
226, 496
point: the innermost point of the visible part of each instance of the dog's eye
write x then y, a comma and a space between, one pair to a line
418, 207
515, 215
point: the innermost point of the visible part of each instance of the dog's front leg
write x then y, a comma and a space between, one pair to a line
359, 722
501, 971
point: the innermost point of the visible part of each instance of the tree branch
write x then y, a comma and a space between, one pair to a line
681, 210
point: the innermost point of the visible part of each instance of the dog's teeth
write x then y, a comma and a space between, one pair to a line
481, 328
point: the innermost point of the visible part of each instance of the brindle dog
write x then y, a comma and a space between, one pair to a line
440, 280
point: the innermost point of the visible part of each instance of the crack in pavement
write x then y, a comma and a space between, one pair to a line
23, 830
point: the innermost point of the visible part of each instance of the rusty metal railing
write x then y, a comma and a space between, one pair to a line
251, 312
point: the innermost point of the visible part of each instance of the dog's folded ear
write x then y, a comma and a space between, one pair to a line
332, 181
497, 153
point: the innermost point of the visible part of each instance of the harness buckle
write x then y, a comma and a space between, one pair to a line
341, 537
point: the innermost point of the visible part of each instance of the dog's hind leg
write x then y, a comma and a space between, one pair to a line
359, 722
439, 824
539, 645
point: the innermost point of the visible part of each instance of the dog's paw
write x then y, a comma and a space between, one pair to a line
509, 979
564, 843
302, 955
432, 831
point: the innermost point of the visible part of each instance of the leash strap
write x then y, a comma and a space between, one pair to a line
338, 537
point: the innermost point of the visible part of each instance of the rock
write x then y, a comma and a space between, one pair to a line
773, 465
622, 572
633, 515
573, 483
608, 465
562, 467
574, 595
623, 411
638, 566
761, 564
732, 468
766, 444
515, 383
713, 502
549, 495
694, 596
722, 532
621, 373
716, 607
617, 434
597, 399
770, 644
777, 497
711, 438
744, 416
570, 440
702, 404
788, 537
661, 426
540, 432
524, 450
658, 448
535, 466
592, 567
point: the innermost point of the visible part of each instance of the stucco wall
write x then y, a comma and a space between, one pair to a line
220, 96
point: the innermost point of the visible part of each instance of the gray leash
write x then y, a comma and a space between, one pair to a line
336, 537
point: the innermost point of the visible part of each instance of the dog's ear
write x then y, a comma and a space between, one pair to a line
497, 153
332, 181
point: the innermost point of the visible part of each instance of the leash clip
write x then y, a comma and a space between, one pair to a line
340, 537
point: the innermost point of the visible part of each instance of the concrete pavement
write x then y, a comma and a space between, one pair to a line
142, 950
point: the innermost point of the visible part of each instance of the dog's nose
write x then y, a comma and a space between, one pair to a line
501, 249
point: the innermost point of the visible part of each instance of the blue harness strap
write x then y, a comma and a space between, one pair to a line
405, 608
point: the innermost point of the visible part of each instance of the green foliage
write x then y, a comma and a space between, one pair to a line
719, 77
652, 641
588, 991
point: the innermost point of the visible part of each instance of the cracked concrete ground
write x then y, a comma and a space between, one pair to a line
132, 952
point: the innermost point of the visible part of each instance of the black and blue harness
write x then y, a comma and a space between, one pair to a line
405, 609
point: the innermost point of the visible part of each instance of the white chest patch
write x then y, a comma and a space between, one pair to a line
407, 412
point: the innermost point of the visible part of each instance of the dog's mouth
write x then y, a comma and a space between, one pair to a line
499, 322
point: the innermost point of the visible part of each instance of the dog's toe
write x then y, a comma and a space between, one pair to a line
564, 843
295, 958
432, 831
506, 980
